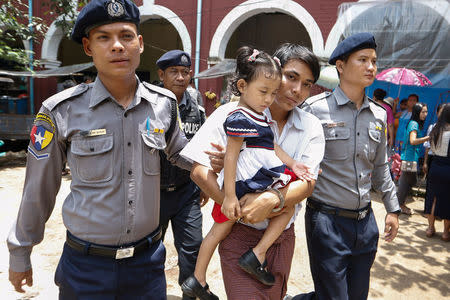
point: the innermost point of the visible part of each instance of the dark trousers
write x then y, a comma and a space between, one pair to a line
89, 277
182, 208
341, 253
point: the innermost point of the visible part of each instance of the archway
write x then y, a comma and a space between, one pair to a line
251, 8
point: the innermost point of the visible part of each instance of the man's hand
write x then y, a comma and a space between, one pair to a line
391, 227
204, 198
302, 171
256, 207
19, 279
216, 157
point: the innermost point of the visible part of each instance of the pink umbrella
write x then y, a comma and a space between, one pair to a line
403, 76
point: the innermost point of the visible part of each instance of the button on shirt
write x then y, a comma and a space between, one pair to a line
355, 152
113, 156
302, 139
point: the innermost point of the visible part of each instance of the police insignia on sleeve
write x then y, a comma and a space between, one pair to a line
40, 137
115, 9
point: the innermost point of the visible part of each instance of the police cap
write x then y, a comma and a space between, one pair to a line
355, 42
101, 12
174, 58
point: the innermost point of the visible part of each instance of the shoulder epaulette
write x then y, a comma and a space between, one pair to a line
318, 97
159, 90
376, 103
60, 97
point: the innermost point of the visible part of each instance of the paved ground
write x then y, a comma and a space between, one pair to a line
412, 267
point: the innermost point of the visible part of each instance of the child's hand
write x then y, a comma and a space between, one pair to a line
231, 208
302, 171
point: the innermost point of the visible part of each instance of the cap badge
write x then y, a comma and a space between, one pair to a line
184, 59
115, 9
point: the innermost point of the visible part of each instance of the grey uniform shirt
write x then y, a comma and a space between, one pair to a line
355, 152
113, 156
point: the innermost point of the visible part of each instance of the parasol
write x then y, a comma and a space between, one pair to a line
403, 76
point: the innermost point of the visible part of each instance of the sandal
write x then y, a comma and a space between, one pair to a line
430, 232
407, 211
192, 288
250, 264
445, 237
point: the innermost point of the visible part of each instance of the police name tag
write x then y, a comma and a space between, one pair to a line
124, 252
93, 132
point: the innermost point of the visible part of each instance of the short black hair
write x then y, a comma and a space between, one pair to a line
249, 63
379, 94
414, 95
288, 51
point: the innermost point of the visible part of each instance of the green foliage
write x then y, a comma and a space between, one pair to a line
64, 12
15, 27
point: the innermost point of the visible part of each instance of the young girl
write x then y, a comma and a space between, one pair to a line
252, 163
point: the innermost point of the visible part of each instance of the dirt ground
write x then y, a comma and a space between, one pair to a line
412, 267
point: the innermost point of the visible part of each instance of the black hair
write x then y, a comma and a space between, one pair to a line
248, 68
379, 94
403, 100
415, 114
414, 95
443, 120
288, 51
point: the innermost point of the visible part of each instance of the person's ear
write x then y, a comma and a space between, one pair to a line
340, 66
86, 46
161, 75
241, 85
141, 44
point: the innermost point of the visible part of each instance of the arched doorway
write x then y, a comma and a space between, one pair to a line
267, 31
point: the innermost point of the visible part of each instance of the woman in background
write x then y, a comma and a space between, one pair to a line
437, 202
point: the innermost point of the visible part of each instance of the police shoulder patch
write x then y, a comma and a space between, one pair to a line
159, 90
54, 100
40, 137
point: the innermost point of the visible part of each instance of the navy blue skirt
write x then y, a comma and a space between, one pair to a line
438, 184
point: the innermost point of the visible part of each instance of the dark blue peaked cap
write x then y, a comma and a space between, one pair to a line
100, 12
355, 42
174, 58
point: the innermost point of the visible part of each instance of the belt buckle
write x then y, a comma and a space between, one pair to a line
171, 188
124, 252
362, 214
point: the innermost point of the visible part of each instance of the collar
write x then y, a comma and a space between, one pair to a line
342, 98
294, 118
100, 93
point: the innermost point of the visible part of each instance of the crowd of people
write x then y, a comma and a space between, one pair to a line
258, 158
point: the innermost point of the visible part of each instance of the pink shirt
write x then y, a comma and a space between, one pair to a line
390, 115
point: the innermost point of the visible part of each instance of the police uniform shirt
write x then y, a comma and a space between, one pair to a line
302, 139
114, 160
192, 116
355, 152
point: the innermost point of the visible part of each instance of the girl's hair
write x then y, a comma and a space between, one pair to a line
415, 114
289, 51
443, 120
250, 63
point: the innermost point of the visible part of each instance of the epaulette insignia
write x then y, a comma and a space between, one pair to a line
318, 97
54, 100
159, 90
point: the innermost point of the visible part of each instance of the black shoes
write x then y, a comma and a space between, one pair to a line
193, 288
250, 264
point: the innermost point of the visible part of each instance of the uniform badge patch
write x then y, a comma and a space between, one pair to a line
40, 137
115, 9
184, 59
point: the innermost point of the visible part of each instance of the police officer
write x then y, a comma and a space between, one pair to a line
110, 132
180, 196
341, 231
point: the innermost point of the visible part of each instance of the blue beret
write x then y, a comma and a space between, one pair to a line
358, 41
174, 58
100, 12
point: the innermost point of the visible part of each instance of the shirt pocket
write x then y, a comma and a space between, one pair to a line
374, 141
93, 158
337, 143
151, 144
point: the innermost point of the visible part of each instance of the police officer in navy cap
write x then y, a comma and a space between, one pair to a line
110, 133
341, 231
180, 197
